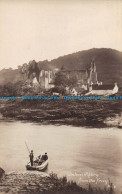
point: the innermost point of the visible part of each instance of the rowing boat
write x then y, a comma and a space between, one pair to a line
38, 167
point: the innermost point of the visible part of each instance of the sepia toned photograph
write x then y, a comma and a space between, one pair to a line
60, 97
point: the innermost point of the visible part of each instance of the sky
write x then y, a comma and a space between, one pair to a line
47, 29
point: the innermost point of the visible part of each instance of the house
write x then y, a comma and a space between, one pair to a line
103, 90
75, 91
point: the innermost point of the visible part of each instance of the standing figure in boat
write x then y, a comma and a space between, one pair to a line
31, 157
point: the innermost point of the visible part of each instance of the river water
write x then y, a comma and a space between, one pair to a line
82, 154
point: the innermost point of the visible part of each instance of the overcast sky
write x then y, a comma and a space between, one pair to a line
47, 29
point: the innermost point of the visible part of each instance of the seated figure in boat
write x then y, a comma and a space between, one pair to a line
44, 157
38, 159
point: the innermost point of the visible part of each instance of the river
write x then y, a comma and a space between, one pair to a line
82, 154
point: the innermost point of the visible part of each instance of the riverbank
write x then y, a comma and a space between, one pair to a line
34, 182
91, 113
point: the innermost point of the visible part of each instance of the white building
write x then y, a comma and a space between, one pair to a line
103, 90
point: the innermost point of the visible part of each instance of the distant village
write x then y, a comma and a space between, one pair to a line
86, 81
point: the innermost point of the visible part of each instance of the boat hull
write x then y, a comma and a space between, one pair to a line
37, 167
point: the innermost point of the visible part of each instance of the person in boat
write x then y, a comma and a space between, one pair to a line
44, 157
38, 159
31, 157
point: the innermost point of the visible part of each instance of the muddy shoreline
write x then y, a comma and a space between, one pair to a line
94, 113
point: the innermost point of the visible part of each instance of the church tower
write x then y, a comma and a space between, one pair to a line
93, 73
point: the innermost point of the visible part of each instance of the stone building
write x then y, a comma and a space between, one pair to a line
85, 77
46, 78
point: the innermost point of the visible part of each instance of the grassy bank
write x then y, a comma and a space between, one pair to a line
42, 183
70, 112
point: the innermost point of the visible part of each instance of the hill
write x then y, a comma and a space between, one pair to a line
108, 63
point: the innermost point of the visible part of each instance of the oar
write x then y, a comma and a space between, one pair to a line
28, 150
27, 147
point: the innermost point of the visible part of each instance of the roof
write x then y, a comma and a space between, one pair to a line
84, 70
78, 89
102, 87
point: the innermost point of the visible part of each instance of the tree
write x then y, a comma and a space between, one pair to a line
61, 79
73, 80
